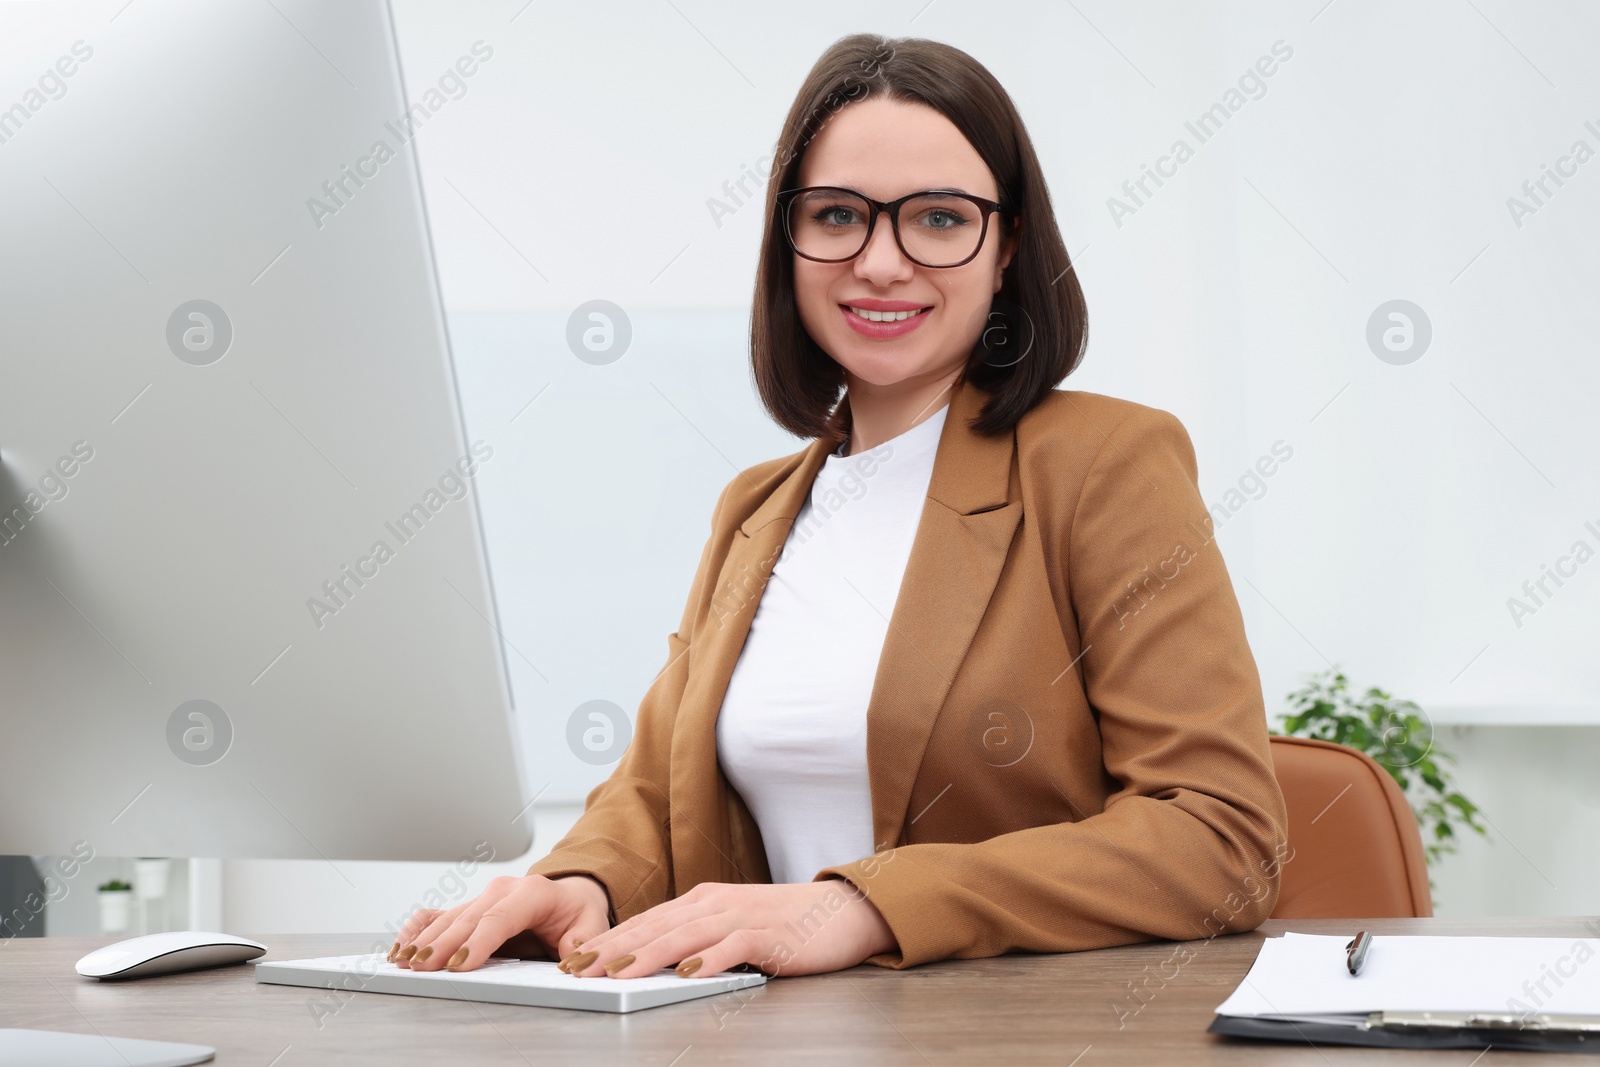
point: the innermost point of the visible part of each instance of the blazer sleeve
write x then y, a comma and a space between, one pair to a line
1191, 843
621, 839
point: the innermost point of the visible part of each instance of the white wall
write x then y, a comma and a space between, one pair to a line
1542, 796
1376, 165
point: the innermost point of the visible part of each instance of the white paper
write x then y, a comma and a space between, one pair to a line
1306, 974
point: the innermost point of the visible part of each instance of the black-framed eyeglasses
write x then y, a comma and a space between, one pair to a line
934, 227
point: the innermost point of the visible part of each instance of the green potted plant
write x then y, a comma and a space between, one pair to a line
114, 898
1398, 735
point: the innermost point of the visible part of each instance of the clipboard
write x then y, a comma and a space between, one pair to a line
1535, 994
1436, 1030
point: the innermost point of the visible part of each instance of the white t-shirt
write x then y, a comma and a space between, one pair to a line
792, 731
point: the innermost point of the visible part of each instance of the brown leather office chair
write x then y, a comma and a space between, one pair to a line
1356, 850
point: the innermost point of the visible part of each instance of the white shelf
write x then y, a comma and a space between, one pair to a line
1514, 715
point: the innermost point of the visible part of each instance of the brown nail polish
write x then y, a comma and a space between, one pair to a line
688, 967
393, 952
409, 951
619, 963
577, 944
422, 957
581, 961
459, 958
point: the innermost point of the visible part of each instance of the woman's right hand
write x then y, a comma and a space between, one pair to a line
533, 914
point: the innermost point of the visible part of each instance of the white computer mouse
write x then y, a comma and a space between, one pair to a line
168, 953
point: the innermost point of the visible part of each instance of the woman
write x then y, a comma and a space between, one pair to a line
1042, 730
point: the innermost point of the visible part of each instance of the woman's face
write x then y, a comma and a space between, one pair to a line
885, 149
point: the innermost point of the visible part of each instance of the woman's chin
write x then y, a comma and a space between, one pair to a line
881, 368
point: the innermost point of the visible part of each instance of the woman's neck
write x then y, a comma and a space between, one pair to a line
882, 413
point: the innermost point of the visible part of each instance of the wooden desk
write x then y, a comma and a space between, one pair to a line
1060, 1009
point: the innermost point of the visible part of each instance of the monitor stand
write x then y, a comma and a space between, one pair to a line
54, 1048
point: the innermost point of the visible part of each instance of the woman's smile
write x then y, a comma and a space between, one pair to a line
884, 319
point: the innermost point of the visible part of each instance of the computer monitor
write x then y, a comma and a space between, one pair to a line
245, 605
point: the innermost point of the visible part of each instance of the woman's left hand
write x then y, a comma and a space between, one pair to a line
804, 928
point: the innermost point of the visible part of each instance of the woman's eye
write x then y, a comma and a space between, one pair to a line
831, 216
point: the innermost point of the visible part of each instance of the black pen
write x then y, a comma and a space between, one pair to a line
1358, 949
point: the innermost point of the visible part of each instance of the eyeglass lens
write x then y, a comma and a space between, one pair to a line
937, 229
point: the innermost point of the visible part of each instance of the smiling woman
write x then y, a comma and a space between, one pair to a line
920, 730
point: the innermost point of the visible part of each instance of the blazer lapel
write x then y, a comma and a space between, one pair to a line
960, 546
962, 539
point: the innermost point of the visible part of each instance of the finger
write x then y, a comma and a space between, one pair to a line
420, 946
406, 945
430, 941
672, 947
517, 913
754, 947
467, 941
413, 926
643, 928
572, 940
420, 950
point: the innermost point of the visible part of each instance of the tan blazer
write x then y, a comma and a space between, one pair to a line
1066, 736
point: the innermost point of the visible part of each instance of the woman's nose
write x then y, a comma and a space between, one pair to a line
881, 260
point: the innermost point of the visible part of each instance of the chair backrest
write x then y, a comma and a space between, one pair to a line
1356, 852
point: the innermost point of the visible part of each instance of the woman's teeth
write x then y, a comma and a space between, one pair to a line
885, 316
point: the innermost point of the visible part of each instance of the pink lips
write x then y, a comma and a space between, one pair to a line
883, 330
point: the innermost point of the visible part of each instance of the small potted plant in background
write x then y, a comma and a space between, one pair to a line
1399, 736
114, 898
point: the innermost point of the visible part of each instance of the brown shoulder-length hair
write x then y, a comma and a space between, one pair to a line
798, 382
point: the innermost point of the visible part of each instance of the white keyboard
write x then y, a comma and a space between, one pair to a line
535, 983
